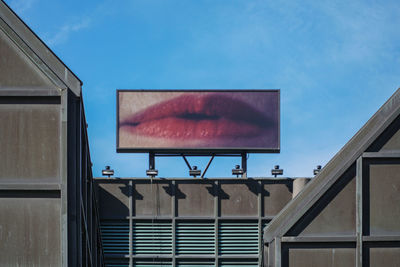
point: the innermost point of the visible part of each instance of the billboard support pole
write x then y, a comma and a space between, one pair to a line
244, 164
152, 161
187, 162
208, 165
152, 172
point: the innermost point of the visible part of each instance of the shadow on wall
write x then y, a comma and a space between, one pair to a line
192, 197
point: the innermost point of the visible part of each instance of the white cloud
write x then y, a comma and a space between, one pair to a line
102, 10
366, 30
67, 29
21, 6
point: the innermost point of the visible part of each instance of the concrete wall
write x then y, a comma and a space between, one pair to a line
31, 163
356, 222
47, 212
191, 222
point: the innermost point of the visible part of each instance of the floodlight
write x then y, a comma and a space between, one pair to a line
276, 171
152, 172
107, 172
237, 171
194, 172
317, 170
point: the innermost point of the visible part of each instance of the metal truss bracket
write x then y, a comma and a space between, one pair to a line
152, 161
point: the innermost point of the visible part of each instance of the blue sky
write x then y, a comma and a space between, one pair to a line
336, 63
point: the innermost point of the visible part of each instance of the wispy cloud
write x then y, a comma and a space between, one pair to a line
67, 29
21, 6
367, 30
103, 9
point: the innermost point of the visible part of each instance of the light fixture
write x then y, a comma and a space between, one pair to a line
194, 172
276, 171
317, 170
107, 172
237, 171
152, 172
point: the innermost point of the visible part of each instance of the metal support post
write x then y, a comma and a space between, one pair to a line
152, 162
208, 165
244, 164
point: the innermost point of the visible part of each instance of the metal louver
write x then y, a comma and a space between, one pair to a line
239, 238
195, 238
151, 263
237, 263
152, 237
196, 263
115, 237
117, 263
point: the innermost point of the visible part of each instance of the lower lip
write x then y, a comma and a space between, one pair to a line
175, 128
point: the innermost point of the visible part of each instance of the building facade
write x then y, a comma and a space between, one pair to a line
349, 215
186, 221
48, 213
53, 213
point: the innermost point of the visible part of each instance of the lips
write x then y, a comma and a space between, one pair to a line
199, 117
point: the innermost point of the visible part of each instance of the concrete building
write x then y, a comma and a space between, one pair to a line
188, 222
48, 214
349, 215
53, 213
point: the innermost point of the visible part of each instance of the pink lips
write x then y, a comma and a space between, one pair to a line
198, 116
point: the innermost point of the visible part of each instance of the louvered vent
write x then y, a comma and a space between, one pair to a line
117, 263
195, 238
195, 263
115, 237
151, 263
241, 263
151, 237
238, 238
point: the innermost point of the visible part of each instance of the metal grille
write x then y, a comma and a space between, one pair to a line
195, 238
236, 263
151, 263
218, 234
117, 263
192, 238
238, 238
152, 237
115, 237
195, 263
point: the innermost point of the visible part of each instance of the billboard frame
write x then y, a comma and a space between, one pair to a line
198, 151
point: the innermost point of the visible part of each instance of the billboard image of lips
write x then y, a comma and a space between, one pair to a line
198, 120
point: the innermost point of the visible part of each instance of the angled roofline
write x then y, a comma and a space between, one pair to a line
43, 57
334, 169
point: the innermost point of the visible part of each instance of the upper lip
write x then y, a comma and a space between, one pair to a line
213, 110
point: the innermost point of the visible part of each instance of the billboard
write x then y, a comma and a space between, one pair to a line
198, 121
